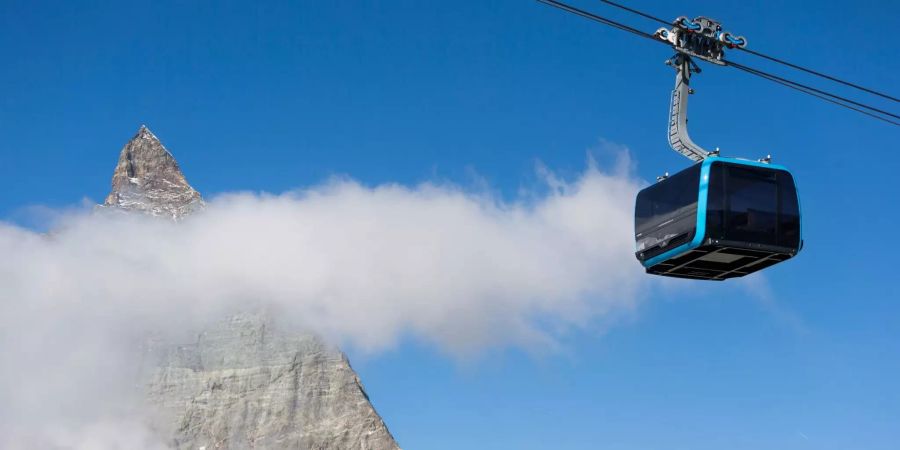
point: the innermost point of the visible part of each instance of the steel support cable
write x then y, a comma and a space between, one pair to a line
601, 19
810, 88
803, 89
820, 74
831, 98
640, 13
763, 55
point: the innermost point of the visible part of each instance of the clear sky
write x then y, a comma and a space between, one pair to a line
282, 95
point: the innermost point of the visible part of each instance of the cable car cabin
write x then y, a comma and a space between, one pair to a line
721, 218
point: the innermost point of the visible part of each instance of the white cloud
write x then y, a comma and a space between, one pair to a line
365, 266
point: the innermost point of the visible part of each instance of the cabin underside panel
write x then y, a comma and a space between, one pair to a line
720, 261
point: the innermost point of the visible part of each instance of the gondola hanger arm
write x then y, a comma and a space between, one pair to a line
701, 38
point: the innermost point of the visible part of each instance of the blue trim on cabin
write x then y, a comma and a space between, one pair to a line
800, 210
702, 196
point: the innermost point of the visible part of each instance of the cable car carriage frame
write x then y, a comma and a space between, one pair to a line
722, 217
718, 219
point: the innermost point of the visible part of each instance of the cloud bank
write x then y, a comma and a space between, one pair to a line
363, 266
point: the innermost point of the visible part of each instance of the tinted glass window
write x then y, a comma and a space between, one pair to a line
752, 204
752, 197
789, 219
666, 213
668, 198
715, 202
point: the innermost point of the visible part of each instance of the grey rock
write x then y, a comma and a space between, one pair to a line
243, 382
147, 179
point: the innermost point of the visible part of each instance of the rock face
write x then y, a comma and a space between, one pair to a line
243, 382
148, 179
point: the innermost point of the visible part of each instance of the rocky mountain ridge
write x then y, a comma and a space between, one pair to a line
244, 382
147, 179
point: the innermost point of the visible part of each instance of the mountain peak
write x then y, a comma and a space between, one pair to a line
147, 179
145, 133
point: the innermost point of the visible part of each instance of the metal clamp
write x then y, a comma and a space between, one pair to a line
702, 38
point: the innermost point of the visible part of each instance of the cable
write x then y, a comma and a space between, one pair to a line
818, 93
634, 11
600, 19
762, 55
809, 91
820, 74
809, 88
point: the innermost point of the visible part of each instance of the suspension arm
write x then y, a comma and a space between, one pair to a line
679, 139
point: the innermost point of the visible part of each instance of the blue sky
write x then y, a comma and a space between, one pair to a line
274, 97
